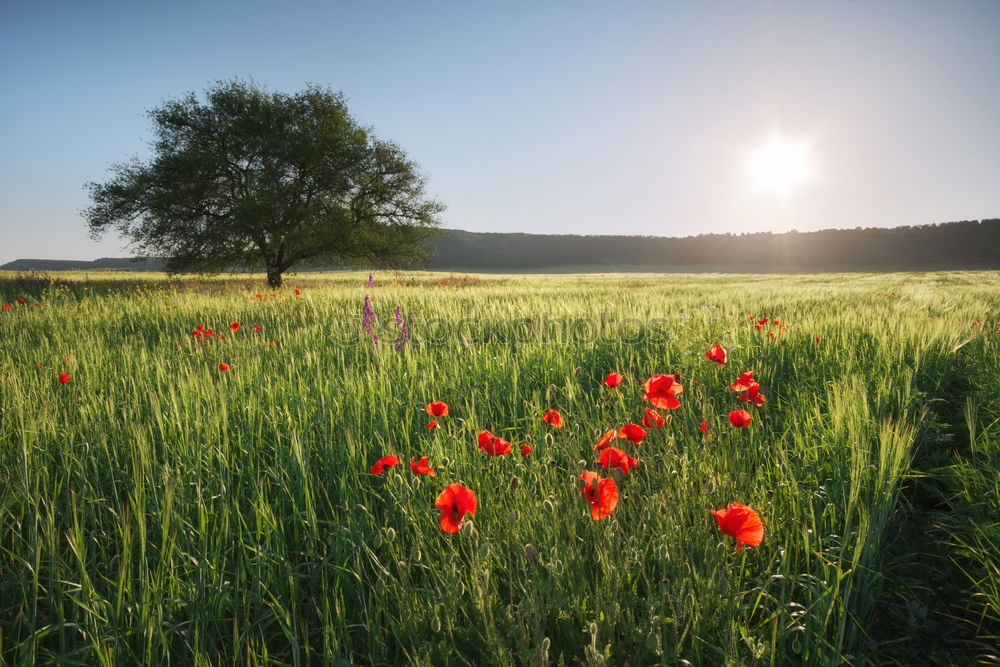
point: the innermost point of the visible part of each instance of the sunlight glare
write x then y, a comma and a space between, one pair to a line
779, 166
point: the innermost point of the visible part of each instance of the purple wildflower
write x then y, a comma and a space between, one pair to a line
371, 280
404, 331
369, 319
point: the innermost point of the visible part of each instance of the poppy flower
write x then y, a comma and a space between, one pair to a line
6, 306
602, 494
257, 328
493, 445
420, 467
612, 457
431, 424
197, 334
64, 378
553, 418
633, 432
652, 418
662, 390
298, 292
234, 326
613, 379
762, 321
454, 502
21, 300
437, 409
605, 440
817, 339
740, 418
222, 336
770, 334
384, 464
743, 382
525, 450
753, 395
199, 327
716, 353
223, 366
703, 427
39, 304
209, 332
741, 522
41, 366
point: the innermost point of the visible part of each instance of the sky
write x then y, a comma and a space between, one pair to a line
647, 118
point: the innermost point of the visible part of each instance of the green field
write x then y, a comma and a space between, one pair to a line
155, 508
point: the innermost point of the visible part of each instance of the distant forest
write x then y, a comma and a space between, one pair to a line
970, 244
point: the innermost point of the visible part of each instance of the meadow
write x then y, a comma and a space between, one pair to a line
158, 508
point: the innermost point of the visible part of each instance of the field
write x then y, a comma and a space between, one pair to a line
155, 508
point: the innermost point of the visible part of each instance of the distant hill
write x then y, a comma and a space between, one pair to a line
953, 245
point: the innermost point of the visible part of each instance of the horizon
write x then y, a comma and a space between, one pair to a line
664, 121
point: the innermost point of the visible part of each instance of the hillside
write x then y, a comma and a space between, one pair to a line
953, 245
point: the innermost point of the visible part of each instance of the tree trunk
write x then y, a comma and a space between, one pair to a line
273, 277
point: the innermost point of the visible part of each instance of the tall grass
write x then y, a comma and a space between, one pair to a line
157, 509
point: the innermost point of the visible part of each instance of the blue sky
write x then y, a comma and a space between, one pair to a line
559, 117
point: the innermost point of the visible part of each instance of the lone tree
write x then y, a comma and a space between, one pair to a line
252, 178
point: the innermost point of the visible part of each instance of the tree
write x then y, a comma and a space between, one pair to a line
251, 178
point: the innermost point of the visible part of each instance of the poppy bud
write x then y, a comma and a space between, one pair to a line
513, 516
530, 552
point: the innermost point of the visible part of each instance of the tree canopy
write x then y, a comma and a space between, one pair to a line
250, 178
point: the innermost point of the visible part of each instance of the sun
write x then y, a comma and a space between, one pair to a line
779, 166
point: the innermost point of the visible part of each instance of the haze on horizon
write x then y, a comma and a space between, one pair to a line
566, 117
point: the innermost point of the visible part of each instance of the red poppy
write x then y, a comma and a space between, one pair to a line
437, 409
64, 378
662, 390
740, 418
297, 292
454, 502
762, 321
6, 306
234, 326
633, 432
222, 336
41, 366
420, 467
197, 334
743, 382
554, 418
21, 299
493, 445
703, 427
770, 334
753, 395
652, 418
209, 332
613, 379
741, 522
612, 457
817, 339
602, 494
525, 450
384, 463
716, 353
38, 304
223, 366
199, 327
432, 424
257, 328
605, 440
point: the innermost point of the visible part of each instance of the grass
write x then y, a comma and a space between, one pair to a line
157, 509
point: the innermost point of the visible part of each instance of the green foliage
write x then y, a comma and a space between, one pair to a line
155, 509
251, 178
